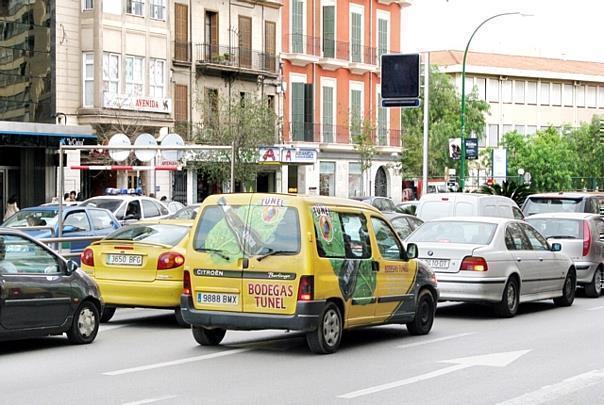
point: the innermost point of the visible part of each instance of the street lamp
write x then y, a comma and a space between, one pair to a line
463, 94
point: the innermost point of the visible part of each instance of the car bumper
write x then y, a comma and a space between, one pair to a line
585, 271
306, 317
470, 288
154, 294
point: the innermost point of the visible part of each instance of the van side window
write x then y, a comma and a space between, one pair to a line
517, 213
328, 233
388, 244
342, 235
356, 236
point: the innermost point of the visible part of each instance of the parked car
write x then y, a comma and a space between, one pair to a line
561, 202
129, 208
383, 204
318, 265
173, 206
438, 205
44, 294
403, 224
581, 236
407, 207
501, 261
188, 212
42, 222
140, 265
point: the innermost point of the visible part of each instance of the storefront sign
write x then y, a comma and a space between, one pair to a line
125, 102
286, 155
269, 155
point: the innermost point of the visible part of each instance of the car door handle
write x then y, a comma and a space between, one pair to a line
375, 266
518, 259
541, 259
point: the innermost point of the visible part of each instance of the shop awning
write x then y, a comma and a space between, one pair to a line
45, 135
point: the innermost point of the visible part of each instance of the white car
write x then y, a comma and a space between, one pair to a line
502, 261
128, 208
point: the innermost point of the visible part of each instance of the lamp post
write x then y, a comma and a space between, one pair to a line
463, 96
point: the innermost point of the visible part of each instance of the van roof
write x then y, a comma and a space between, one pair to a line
437, 196
563, 215
490, 220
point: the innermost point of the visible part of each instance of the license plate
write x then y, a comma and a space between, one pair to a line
127, 260
217, 298
437, 263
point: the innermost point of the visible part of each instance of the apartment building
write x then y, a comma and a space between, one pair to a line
527, 93
331, 64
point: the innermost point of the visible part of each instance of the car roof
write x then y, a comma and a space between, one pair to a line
563, 215
392, 215
166, 221
490, 220
562, 194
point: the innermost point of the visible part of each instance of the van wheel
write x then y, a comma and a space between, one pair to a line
594, 289
424, 314
568, 290
179, 319
508, 306
326, 338
208, 337
85, 324
107, 314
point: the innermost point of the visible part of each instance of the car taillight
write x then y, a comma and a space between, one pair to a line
186, 283
170, 260
87, 257
306, 290
586, 238
472, 263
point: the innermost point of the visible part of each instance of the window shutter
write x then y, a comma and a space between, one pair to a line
329, 31
328, 114
298, 111
308, 113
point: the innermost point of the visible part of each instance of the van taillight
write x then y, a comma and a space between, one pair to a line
186, 283
87, 257
472, 263
586, 238
170, 260
306, 290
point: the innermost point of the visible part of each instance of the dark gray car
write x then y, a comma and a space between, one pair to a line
42, 294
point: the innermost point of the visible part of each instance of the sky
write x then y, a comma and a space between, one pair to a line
557, 29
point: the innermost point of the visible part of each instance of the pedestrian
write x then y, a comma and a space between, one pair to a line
163, 198
152, 195
11, 207
66, 198
72, 196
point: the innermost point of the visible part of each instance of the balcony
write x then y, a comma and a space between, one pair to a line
403, 3
182, 53
301, 50
218, 58
363, 59
335, 54
337, 134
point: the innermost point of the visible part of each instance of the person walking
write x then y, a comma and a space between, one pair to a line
11, 207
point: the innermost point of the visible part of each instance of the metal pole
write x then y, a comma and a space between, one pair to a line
232, 166
61, 191
426, 120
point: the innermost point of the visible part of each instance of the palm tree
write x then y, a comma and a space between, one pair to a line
515, 191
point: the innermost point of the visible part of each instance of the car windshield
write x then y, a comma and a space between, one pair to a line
189, 212
558, 228
537, 205
112, 204
476, 233
32, 218
155, 233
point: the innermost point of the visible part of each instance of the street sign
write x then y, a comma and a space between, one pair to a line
119, 140
471, 148
400, 80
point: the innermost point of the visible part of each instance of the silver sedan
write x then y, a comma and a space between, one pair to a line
502, 261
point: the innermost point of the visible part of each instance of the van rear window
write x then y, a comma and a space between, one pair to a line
476, 233
435, 209
537, 205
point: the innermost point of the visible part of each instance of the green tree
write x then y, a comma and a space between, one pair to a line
585, 142
445, 109
362, 132
245, 124
516, 191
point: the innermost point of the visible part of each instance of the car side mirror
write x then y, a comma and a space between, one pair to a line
69, 228
556, 247
71, 267
412, 251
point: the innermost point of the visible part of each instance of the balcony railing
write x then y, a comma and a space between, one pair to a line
341, 134
236, 57
329, 48
182, 51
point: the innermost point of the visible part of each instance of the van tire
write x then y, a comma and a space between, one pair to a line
594, 289
424, 314
326, 338
568, 290
510, 300
107, 314
208, 337
179, 319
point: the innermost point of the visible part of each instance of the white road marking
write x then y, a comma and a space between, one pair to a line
552, 392
151, 400
177, 362
491, 360
595, 308
424, 342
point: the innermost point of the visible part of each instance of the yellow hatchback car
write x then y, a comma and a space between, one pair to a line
140, 265
314, 264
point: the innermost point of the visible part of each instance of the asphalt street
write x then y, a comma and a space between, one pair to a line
545, 355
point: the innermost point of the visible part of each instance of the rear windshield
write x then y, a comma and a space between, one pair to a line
537, 205
154, 233
32, 218
251, 230
558, 228
108, 203
476, 233
435, 209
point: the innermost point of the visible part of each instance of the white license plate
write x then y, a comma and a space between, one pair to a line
127, 260
437, 263
217, 298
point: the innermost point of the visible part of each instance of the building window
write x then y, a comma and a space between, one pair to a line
270, 46
135, 7
245, 41
493, 139
156, 78
382, 35
600, 96
134, 75
556, 94
212, 47
356, 108
481, 87
356, 33
567, 95
181, 32
328, 115
111, 73
181, 103
327, 178
157, 9
87, 4
521, 129
590, 96
211, 113
493, 90
355, 180
297, 26
506, 91
297, 111
544, 96
531, 93
531, 130
519, 91
580, 96
88, 61
329, 31
507, 128
382, 121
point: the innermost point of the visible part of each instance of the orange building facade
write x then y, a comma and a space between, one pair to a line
331, 53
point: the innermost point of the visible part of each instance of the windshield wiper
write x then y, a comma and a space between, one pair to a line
272, 252
218, 252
